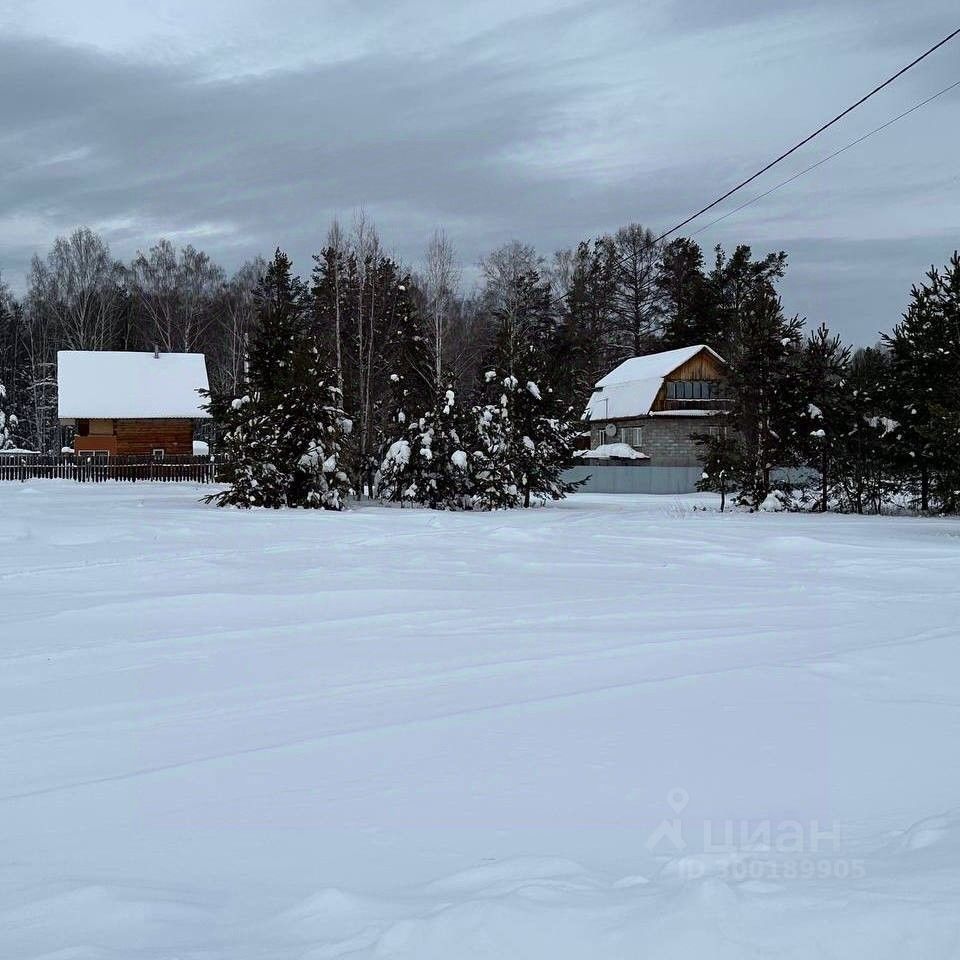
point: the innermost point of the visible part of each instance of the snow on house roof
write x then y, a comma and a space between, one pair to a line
111, 384
630, 389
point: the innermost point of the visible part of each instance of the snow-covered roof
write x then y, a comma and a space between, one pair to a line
630, 389
610, 451
109, 384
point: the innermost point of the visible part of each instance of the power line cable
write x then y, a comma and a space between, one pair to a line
803, 142
823, 160
809, 137
950, 36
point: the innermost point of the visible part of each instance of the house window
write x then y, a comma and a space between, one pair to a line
632, 436
158, 453
693, 390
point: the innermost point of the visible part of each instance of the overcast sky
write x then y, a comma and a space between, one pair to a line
240, 125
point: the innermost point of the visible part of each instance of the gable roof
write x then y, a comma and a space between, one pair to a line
630, 389
108, 384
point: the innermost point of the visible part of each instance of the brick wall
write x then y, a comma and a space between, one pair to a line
666, 440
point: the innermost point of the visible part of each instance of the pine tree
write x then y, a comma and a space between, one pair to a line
587, 331
685, 295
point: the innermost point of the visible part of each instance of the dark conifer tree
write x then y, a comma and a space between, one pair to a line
733, 284
526, 431
494, 460
588, 315
283, 434
864, 466
424, 460
828, 414
720, 458
766, 393
925, 358
686, 296
8, 422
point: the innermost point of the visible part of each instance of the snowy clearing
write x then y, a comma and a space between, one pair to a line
404, 734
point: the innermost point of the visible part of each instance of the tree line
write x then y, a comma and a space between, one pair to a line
365, 375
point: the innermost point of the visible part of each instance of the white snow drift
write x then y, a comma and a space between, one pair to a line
611, 728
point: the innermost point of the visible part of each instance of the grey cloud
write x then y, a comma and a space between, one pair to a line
464, 135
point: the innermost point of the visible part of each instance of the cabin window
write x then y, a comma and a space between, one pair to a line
95, 456
693, 390
83, 428
158, 453
632, 436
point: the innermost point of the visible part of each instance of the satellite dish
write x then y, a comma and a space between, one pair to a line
610, 430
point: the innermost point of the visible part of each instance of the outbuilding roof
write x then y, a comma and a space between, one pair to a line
108, 384
630, 389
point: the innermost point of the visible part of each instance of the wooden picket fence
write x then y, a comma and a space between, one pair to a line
99, 469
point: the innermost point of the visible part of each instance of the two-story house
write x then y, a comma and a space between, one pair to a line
648, 407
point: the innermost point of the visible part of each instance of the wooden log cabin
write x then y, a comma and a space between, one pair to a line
647, 408
131, 404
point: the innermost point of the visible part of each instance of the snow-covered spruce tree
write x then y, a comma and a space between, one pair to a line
314, 427
428, 462
494, 454
424, 459
827, 416
925, 360
282, 437
406, 446
8, 422
253, 469
524, 434
531, 363
547, 434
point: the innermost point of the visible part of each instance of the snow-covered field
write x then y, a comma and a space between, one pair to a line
611, 728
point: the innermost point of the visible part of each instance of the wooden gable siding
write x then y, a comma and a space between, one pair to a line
703, 366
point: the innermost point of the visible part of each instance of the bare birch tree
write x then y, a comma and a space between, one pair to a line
439, 284
175, 290
77, 291
235, 314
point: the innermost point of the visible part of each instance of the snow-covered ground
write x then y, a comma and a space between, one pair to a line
611, 728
